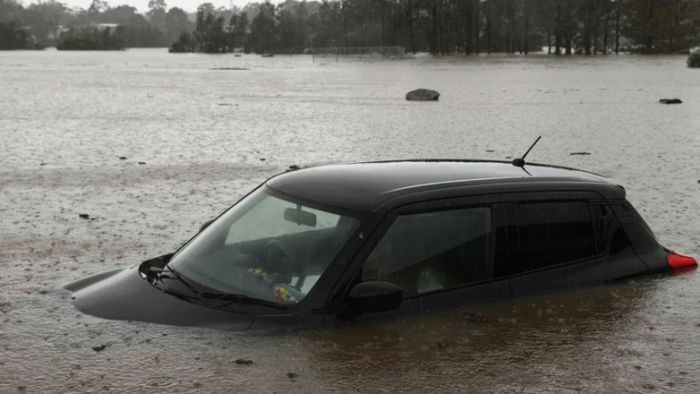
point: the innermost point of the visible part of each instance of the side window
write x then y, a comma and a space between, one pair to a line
536, 235
604, 224
431, 251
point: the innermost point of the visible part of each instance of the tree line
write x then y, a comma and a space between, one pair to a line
49, 23
437, 26
91, 38
562, 27
13, 37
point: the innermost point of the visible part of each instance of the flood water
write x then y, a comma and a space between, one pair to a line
207, 136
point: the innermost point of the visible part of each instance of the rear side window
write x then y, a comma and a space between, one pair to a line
536, 235
431, 251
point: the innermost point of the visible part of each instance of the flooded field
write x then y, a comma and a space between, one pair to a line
151, 145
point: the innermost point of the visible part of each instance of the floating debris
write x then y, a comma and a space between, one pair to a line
229, 69
99, 348
84, 216
243, 361
122, 157
670, 101
422, 95
292, 375
476, 317
580, 153
293, 167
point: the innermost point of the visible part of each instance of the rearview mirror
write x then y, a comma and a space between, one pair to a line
205, 225
375, 296
300, 217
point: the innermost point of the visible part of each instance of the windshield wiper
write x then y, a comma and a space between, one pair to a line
180, 278
228, 299
231, 299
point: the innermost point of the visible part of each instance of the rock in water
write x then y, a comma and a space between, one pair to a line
671, 101
422, 95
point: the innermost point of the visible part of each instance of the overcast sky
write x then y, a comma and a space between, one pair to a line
142, 5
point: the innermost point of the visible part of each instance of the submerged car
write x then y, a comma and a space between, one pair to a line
340, 242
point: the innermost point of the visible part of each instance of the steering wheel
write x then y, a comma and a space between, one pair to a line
277, 253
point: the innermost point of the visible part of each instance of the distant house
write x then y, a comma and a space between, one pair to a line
32, 39
56, 33
111, 27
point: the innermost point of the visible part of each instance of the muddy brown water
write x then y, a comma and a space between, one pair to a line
207, 136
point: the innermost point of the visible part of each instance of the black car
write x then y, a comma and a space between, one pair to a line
336, 242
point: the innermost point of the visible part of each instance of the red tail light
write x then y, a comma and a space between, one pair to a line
678, 261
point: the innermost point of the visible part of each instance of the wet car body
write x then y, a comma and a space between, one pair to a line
532, 229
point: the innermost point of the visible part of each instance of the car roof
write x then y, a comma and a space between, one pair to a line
364, 186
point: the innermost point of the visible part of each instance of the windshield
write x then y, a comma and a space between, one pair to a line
266, 248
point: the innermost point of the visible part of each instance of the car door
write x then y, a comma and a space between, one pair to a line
440, 253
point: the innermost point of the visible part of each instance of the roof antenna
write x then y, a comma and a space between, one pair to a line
520, 162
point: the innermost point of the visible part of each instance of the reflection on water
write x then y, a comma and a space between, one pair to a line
206, 137
472, 348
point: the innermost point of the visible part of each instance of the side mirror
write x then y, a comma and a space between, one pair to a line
205, 225
374, 296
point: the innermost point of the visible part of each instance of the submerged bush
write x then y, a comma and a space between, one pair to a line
93, 39
209, 36
694, 59
183, 44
